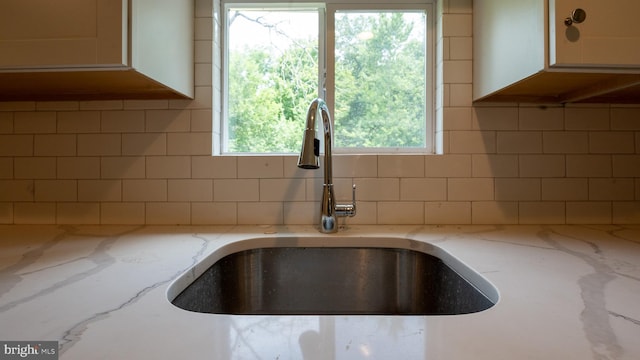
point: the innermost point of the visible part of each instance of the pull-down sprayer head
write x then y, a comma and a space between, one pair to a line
310, 152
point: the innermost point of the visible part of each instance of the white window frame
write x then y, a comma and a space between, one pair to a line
326, 46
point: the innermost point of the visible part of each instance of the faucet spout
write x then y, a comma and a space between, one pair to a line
309, 159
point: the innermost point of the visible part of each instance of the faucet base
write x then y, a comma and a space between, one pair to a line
328, 224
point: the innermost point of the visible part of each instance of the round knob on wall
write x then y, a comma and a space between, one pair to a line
577, 16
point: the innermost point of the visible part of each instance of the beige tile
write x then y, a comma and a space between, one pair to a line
35, 167
473, 189
126, 167
168, 121
100, 190
6, 122
123, 121
189, 144
458, 72
542, 213
282, 190
144, 144
348, 166
542, 165
144, 190
614, 142
260, 213
540, 118
56, 190
6, 213
587, 118
374, 189
611, 189
226, 190
77, 213
460, 6
102, 105
625, 118
16, 190
423, 189
169, 167
301, 213
565, 189
519, 142
16, 145
450, 212
494, 212
203, 51
34, 213
57, 105
78, 122
404, 213
54, 145
122, 213
589, 212
146, 104
448, 166
491, 165
509, 189
460, 95
202, 120
168, 213
214, 167
626, 166
6, 168
34, 122
190, 190
457, 25
17, 105
589, 165
626, 212
99, 144
472, 142
400, 166
457, 118
204, 8
460, 48
214, 213
258, 167
78, 167
495, 118
565, 142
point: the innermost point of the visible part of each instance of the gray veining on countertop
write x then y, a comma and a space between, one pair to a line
101, 291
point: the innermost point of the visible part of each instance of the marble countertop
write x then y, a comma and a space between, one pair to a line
566, 292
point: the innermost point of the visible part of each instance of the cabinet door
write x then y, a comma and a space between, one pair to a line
62, 33
609, 36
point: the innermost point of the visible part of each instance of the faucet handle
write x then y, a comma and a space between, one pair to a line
347, 209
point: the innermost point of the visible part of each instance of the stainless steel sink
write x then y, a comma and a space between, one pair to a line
320, 280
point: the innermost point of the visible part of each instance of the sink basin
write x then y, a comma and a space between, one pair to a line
396, 277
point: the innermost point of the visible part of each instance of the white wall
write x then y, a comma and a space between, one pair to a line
149, 162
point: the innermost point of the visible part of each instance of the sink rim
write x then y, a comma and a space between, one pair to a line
390, 242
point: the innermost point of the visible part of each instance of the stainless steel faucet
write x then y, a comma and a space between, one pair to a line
310, 159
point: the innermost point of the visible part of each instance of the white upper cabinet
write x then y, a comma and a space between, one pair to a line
594, 33
96, 49
557, 51
54, 34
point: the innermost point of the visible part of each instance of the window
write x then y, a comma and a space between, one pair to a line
372, 63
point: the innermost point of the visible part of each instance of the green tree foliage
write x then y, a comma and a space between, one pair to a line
379, 88
380, 82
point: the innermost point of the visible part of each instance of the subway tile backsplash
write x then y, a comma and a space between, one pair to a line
150, 162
